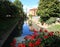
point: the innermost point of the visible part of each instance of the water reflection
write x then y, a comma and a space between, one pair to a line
25, 31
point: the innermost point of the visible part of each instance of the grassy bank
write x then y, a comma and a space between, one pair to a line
54, 28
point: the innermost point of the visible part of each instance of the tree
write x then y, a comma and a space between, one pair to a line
8, 8
48, 8
20, 6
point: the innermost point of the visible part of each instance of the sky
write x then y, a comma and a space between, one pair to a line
28, 4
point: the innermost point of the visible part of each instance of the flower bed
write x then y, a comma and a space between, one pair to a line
41, 38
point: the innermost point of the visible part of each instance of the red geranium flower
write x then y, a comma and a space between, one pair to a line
21, 45
35, 31
45, 30
38, 42
40, 30
14, 41
31, 44
27, 37
39, 39
36, 34
31, 37
11, 44
14, 46
50, 33
45, 36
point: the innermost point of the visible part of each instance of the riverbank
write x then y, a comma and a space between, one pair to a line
37, 25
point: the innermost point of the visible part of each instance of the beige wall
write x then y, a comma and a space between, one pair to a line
33, 12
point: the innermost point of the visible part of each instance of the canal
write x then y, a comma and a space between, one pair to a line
25, 32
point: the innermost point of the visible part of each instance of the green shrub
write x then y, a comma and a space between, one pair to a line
42, 38
51, 20
44, 19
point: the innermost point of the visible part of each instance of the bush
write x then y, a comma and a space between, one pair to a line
44, 19
51, 20
8, 9
43, 38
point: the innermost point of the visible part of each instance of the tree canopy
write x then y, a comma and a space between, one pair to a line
20, 6
49, 8
9, 8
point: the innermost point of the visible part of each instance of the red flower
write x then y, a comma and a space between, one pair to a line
11, 44
31, 37
50, 33
14, 46
45, 37
36, 34
38, 42
14, 41
40, 30
27, 37
45, 30
35, 31
31, 44
39, 39
21, 45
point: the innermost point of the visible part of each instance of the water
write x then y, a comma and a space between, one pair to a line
25, 31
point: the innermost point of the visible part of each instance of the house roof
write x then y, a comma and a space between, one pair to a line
33, 9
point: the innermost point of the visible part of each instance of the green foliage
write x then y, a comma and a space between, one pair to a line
43, 19
42, 38
30, 22
30, 16
54, 28
7, 8
16, 15
51, 20
49, 8
18, 4
20, 7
